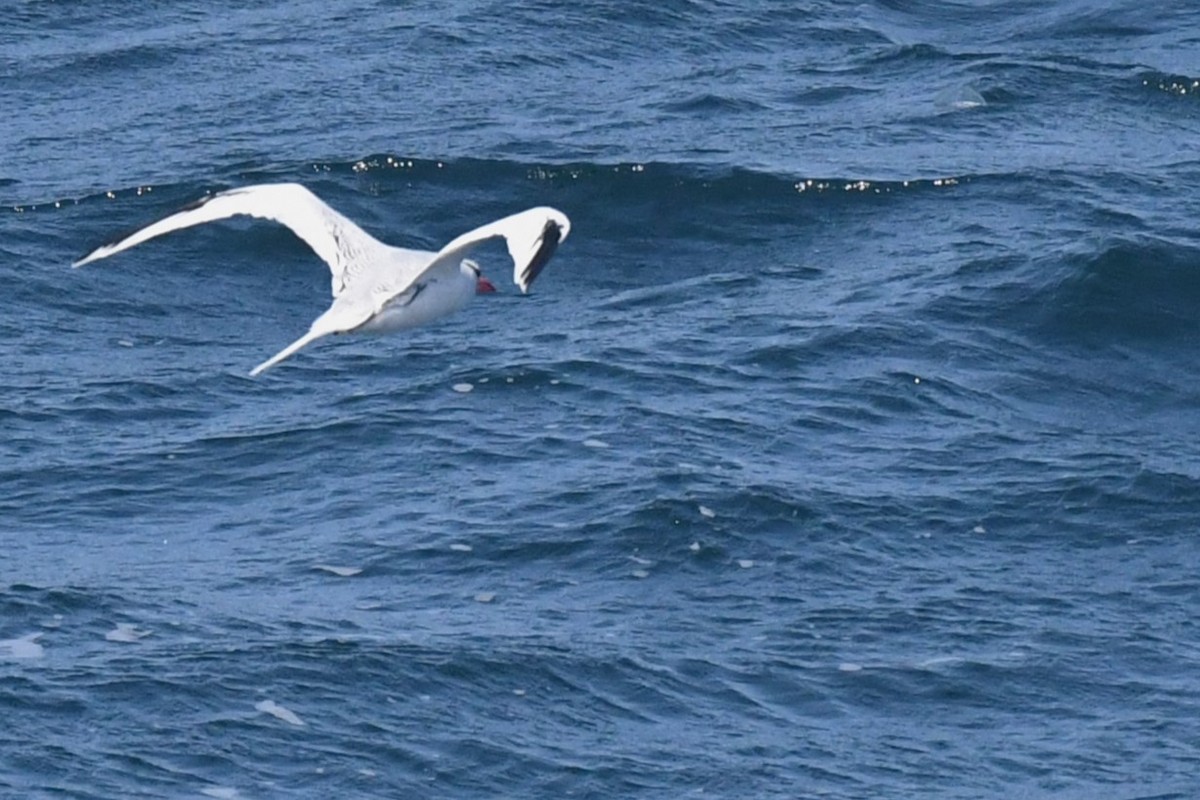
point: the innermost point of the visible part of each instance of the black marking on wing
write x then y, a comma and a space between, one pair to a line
208, 198
406, 297
551, 236
192, 206
339, 253
416, 290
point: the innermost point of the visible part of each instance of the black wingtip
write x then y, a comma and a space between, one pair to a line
548, 243
192, 206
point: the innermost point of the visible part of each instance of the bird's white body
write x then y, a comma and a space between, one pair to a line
377, 288
441, 294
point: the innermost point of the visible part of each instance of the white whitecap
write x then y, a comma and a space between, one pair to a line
220, 792
596, 443
940, 661
23, 647
126, 632
341, 572
278, 711
458, 547
705, 511
960, 98
462, 388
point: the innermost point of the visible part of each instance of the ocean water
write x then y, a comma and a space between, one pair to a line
848, 448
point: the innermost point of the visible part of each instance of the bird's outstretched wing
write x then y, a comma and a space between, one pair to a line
346, 314
532, 237
337, 240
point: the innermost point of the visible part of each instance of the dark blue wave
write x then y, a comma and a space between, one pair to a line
846, 448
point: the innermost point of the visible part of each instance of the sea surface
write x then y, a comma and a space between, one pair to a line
848, 448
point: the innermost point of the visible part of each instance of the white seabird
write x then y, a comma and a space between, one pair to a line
377, 288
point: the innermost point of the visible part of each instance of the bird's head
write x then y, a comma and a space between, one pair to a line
482, 284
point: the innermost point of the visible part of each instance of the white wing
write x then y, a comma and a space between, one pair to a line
337, 240
532, 237
347, 313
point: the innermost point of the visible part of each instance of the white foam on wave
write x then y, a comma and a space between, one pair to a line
23, 647
940, 661
959, 98
341, 572
126, 633
220, 792
279, 712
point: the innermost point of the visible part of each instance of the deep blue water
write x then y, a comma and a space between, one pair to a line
848, 448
